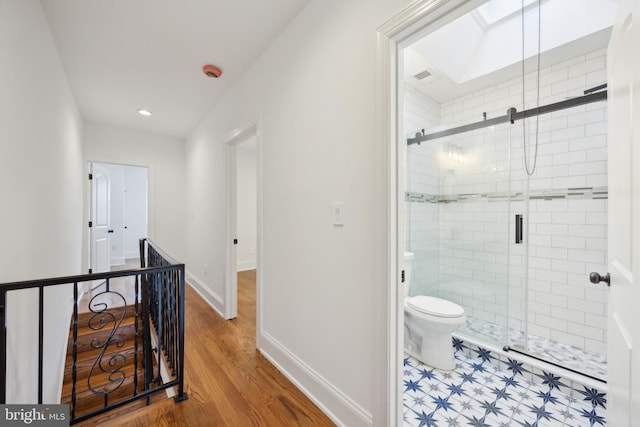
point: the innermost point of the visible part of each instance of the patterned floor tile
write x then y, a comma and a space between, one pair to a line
484, 391
563, 354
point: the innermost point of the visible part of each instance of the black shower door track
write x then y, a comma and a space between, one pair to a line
511, 116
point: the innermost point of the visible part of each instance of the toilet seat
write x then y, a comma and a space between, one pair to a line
435, 306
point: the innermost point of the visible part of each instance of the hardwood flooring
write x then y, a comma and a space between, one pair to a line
228, 381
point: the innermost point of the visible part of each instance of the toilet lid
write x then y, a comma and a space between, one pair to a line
435, 306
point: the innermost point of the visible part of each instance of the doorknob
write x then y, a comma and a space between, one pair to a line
597, 278
109, 231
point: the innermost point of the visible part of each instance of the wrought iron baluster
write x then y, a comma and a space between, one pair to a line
159, 325
74, 356
110, 363
181, 393
3, 341
40, 341
172, 318
146, 331
136, 335
165, 311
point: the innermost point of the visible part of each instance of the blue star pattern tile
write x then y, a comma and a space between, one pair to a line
594, 364
486, 390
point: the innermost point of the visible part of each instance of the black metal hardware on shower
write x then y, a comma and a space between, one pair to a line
595, 89
519, 229
520, 350
594, 95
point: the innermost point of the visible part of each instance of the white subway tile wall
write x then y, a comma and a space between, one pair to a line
463, 233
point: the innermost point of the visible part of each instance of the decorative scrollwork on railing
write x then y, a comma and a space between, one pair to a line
119, 364
110, 360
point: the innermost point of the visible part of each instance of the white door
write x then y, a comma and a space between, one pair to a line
624, 224
100, 219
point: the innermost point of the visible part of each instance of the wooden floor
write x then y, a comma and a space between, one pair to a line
228, 381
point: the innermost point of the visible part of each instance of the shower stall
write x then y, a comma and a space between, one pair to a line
506, 211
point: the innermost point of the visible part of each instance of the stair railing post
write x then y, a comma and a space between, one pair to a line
182, 395
146, 324
142, 253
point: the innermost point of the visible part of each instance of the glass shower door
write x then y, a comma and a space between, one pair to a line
556, 314
474, 213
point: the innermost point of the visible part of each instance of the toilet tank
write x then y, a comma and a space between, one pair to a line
408, 266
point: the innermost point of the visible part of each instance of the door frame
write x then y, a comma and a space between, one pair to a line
89, 201
407, 26
235, 137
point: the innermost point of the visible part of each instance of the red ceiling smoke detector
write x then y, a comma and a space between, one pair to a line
212, 71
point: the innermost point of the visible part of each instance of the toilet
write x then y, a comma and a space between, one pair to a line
428, 324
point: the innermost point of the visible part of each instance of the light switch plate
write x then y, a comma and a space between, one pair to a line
338, 214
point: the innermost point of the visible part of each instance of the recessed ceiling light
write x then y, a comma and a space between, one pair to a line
144, 112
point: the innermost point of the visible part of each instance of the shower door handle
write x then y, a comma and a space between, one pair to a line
597, 278
519, 228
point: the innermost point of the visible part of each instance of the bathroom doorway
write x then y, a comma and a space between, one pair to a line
412, 24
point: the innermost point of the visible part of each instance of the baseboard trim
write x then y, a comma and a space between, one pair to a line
246, 265
215, 301
333, 402
116, 262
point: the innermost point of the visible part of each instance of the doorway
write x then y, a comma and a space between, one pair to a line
246, 198
118, 215
405, 29
243, 215
507, 214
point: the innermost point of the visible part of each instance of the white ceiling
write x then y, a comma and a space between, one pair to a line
122, 55
480, 54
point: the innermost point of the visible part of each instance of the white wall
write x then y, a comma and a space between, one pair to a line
323, 286
164, 158
41, 189
247, 197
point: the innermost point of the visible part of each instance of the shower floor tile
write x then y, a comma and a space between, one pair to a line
484, 392
562, 354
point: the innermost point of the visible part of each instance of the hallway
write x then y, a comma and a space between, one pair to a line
228, 381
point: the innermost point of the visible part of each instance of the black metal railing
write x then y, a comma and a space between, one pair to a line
164, 298
131, 326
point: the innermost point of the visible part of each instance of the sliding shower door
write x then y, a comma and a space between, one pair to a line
457, 205
422, 222
558, 235
473, 209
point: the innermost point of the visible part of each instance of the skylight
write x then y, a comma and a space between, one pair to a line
484, 46
494, 11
